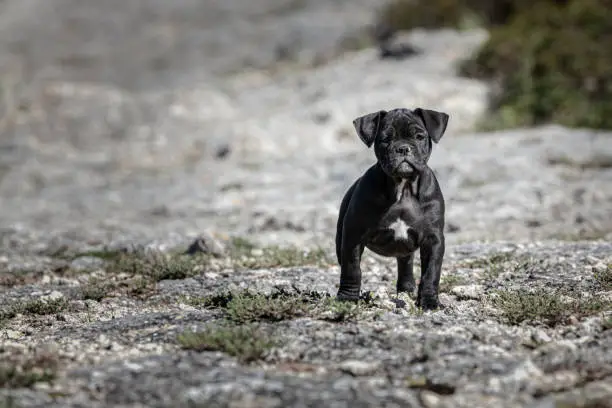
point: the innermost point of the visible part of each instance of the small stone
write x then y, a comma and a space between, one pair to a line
430, 399
206, 244
257, 252
555, 382
358, 368
53, 296
223, 151
600, 267
133, 366
540, 337
468, 291
12, 334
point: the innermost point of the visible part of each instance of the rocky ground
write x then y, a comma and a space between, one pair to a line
125, 138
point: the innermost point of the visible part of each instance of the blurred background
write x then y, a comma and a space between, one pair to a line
153, 121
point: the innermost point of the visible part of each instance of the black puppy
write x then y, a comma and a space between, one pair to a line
397, 206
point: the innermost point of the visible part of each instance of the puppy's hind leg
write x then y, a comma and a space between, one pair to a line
340, 224
350, 272
405, 275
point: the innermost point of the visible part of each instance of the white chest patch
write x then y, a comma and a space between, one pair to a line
399, 228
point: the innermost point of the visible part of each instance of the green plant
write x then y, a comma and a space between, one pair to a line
7, 313
242, 309
448, 282
19, 371
96, 289
43, 306
552, 63
247, 343
604, 277
244, 306
494, 264
156, 265
544, 306
550, 59
339, 311
245, 254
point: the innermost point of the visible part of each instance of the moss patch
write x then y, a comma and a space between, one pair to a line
604, 277
544, 306
244, 307
43, 306
247, 343
155, 265
96, 289
20, 371
39, 307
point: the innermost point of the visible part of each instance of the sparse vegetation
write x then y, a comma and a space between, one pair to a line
342, 311
583, 234
544, 306
32, 307
96, 289
493, 260
604, 277
156, 265
43, 306
552, 63
492, 265
550, 58
242, 309
246, 255
107, 255
245, 307
597, 161
242, 254
247, 342
20, 371
447, 282
11, 279
7, 313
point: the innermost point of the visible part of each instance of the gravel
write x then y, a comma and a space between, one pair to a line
174, 127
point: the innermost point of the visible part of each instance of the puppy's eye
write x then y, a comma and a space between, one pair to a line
420, 136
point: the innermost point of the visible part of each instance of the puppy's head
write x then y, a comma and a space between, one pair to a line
402, 138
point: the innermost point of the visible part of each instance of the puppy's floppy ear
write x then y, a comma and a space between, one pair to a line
368, 126
434, 121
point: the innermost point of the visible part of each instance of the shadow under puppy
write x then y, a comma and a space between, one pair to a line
396, 206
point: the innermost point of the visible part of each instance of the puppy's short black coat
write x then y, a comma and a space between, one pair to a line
397, 206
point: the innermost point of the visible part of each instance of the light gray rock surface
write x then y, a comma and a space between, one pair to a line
152, 123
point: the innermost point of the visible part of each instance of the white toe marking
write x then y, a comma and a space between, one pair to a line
400, 228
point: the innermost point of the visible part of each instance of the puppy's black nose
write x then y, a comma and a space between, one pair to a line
402, 150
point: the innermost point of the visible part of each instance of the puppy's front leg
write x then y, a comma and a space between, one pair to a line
432, 254
350, 272
405, 276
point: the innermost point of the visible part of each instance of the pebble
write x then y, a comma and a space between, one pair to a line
359, 368
468, 291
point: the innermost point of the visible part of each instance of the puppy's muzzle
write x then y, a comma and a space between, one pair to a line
403, 150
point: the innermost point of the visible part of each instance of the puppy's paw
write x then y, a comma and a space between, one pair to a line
345, 295
428, 302
409, 289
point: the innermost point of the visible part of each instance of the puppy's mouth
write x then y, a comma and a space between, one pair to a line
404, 168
